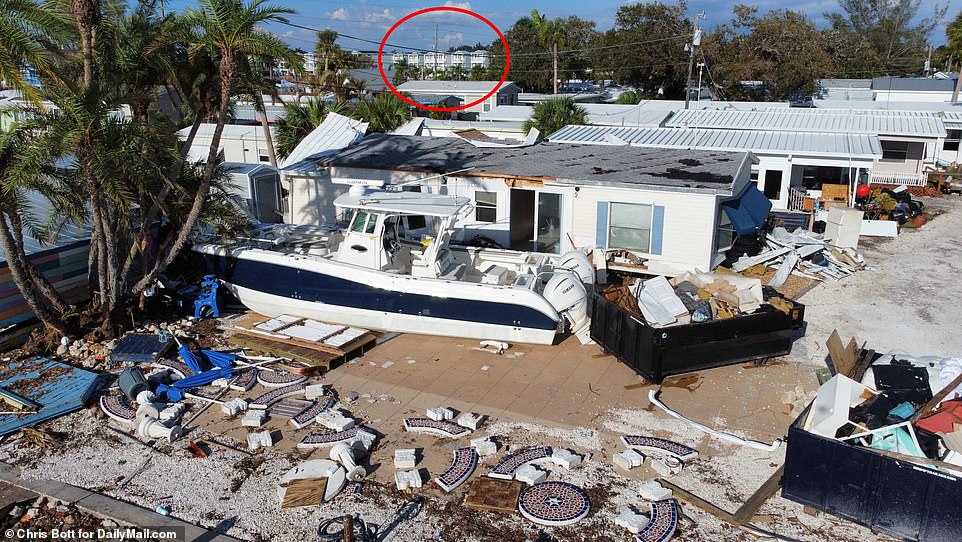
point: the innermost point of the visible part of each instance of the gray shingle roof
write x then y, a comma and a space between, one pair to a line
708, 171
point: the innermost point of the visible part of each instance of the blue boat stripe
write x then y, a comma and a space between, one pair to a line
293, 283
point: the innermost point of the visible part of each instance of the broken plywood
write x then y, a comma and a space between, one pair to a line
495, 495
304, 492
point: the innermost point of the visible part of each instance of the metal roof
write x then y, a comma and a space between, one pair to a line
825, 144
336, 132
441, 87
633, 167
918, 84
845, 83
887, 105
909, 123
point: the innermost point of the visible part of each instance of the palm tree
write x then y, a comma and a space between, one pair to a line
551, 32
628, 97
299, 120
553, 114
226, 30
27, 33
385, 113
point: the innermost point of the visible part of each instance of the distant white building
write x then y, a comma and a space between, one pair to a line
466, 60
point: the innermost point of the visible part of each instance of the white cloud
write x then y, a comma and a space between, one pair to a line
380, 16
339, 14
457, 37
462, 5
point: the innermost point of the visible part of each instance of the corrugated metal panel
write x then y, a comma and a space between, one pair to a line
835, 144
917, 123
336, 132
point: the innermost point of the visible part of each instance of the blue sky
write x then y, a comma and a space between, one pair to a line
370, 19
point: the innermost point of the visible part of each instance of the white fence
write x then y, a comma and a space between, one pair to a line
796, 199
908, 179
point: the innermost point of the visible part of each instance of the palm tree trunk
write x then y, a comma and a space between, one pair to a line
42, 284
22, 279
554, 53
161, 198
262, 115
227, 72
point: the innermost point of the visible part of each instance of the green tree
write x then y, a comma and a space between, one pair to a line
646, 48
551, 34
554, 114
226, 30
895, 32
954, 34
529, 61
781, 49
28, 34
384, 113
299, 120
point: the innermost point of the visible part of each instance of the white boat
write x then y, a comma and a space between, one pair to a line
393, 268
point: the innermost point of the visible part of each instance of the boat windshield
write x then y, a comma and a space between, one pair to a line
363, 222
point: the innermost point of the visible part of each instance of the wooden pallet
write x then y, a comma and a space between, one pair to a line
495, 495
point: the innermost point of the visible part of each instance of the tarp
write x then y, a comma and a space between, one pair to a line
748, 211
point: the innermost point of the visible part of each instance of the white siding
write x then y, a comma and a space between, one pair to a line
689, 227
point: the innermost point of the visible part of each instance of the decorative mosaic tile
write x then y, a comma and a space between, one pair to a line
321, 440
269, 398
443, 428
309, 416
659, 445
554, 503
276, 379
174, 365
506, 468
245, 380
664, 521
465, 461
116, 406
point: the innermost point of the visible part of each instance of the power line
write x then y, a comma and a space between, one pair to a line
515, 55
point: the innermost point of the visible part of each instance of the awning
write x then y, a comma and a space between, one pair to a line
748, 211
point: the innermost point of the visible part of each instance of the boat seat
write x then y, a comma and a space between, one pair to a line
526, 280
494, 274
453, 272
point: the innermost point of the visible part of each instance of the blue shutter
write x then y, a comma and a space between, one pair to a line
601, 233
657, 228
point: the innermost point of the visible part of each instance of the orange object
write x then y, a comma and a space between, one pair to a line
919, 221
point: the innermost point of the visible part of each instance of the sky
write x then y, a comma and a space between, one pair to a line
370, 19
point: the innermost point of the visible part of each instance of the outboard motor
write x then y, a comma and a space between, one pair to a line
568, 296
577, 262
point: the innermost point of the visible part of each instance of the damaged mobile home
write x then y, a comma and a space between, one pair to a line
663, 211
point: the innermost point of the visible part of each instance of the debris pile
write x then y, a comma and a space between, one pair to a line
802, 253
694, 298
896, 404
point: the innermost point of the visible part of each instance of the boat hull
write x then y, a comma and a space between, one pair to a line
273, 285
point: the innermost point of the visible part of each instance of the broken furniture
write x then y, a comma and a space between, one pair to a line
462, 467
658, 352
508, 466
49, 389
202, 298
344, 454
311, 483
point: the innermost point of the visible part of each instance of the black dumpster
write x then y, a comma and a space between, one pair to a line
655, 353
887, 495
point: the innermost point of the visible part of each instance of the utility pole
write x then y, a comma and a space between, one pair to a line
435, 51
928, 62
695, 42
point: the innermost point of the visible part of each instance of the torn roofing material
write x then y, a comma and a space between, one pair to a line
708, 171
